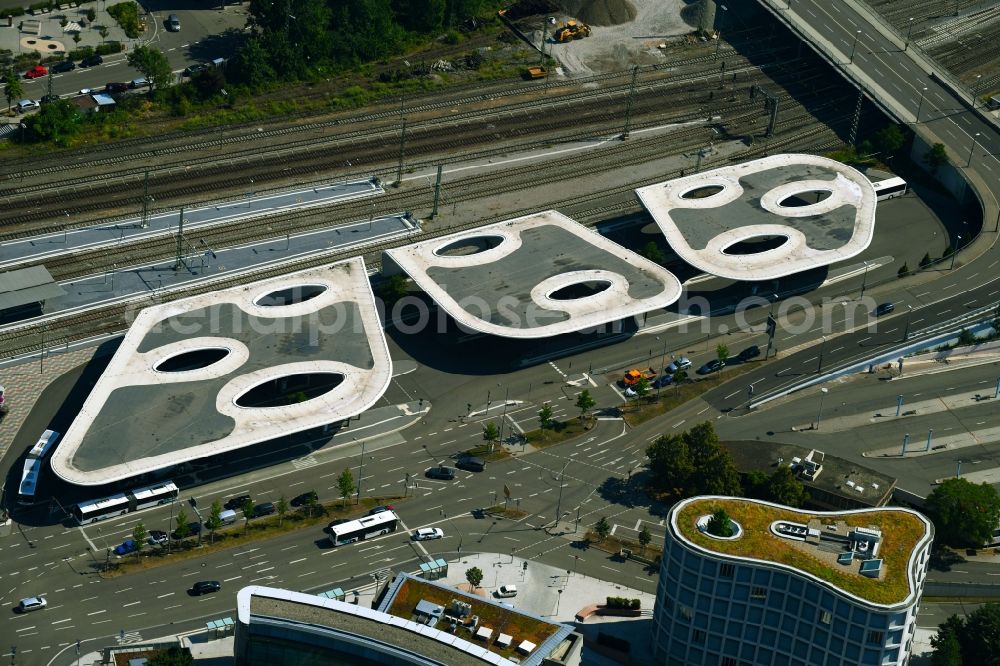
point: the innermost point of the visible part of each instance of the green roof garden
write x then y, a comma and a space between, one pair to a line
903, 531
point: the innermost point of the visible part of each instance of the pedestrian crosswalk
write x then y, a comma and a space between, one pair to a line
129, 637
303, 463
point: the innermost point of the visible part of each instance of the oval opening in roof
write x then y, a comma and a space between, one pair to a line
195, 359
703, 192
806, 198
755, 245
577, 290
300, 293
471, 245
290, 389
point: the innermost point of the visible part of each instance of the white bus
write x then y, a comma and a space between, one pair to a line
33, 467
889, 188
364, 528
143, 498
102, 509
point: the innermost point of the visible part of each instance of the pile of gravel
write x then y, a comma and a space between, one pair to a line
599, 12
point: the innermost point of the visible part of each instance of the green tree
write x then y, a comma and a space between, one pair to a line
602, 528
947, 650
312, 505
889, 139
173, 656
345, 484
720, 524
392, 289
57, 122
964, 514
209, 83
903, 270
722, 353
183, 528
645, 536
671, 464
475, 576
936, 157
139, 535
585, 402
490, 433
980, 641
784, 488
13, 89
926, 261
545, 416
642, 387
250, 65
966, 338
693, 463
153, 64
214, 521
652, 251
281, 506
247, 510
755, 485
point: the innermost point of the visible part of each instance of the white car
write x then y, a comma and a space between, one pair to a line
27, 105
31, 604
630, 392
679, 364
428, 533
505, 591
85, 91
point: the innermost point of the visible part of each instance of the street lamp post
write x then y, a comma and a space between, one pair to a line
975, 89
975, 140
954, 251
920, 104
908, 31
906, 330
857, 35
361, 469
822, 346
864, 282
562, 477
822, 394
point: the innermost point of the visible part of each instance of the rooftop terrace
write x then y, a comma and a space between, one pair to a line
904, 533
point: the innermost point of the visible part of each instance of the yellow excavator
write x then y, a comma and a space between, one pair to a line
570, 31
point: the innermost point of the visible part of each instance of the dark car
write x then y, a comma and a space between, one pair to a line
197, 67
128, 546
712, 366
750, 352
236, 503
205, 586
263, 509
63, 66
443, 473
380, 509
193, 530
305, 498
662, 380
157, 537
884, 309
91, 61
115, 87
471, 464
47, 99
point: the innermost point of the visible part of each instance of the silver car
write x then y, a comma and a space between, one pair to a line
31, 604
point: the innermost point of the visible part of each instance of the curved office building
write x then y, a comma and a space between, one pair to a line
789, 587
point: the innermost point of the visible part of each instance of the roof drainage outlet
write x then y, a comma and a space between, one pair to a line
300, 293
290, 389
577, 290
195, 359
466, 246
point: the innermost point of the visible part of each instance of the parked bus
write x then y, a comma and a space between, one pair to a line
364, 528
143, 498
102, 509
889, 188
33, 467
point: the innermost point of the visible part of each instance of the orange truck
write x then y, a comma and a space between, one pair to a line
632, 377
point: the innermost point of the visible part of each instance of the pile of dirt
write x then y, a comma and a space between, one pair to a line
594, 12
600, 12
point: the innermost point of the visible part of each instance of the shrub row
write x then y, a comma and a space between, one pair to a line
623, 603
127, 15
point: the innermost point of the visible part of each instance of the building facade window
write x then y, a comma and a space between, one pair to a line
698, 636
727, 570
876, 637
758, 592
825, 617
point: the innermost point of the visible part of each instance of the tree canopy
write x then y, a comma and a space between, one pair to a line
964, 514
969, 641
57, 121
153, 65
693, 463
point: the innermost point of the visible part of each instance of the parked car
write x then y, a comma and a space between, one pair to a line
193, 530
63, 66
263, 509
305, 498
630, 392
126, 547
884, 309
35, 72
471, 464
380, 509
26, 105
31, 604
85, 91
195, 68
712, 366
48, 99
205, 586
115, 87
173, 23
443, 473
753, 351
91, 61
679, 364
157, 537
663, 380
505, 591
236, 503
140, 82
428, 533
